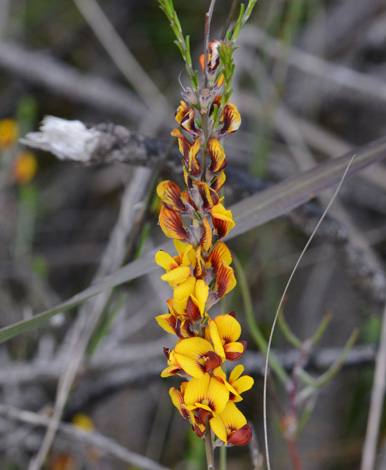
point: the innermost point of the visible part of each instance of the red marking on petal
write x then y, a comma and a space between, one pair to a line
217, 155
170, 194
231, 119
242, 436
171, 224
201, 415
197, 430
225, 281
192, 310
167, 353
183, 143
219, 182
189, 124
213, 360
235, 356
208, 195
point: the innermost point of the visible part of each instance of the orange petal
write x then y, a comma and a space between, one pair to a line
170, 195
218, 183
222, 220
25, 167
188, 123
9, 131
215, 102
206, 239
231, 119
225, 281
202, 62
171, 224
217, 155
167, 322
208, 195
181, 112
193, 163
183, 143
218, 256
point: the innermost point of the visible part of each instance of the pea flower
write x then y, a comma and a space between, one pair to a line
200, 274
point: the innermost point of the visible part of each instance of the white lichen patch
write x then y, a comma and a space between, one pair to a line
68, 140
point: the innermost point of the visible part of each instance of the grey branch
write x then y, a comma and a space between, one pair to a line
107, 445
108, 143
41, 69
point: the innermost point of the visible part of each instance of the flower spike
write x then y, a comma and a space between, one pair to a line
201, 273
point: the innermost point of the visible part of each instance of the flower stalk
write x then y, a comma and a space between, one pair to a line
200, 274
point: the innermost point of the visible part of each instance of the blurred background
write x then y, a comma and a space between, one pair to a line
310, 84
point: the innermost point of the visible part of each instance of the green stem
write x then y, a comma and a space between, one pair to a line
253, 327
223, 458
209, 447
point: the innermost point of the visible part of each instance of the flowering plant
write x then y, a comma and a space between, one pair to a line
200, 274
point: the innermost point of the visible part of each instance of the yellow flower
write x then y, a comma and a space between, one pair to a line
25, 167
224, 331
178, 269
195, 357
9, 131
231, 426
206, 393
83, 422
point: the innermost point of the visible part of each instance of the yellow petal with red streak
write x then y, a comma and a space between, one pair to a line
230, 420
171, 224
231, 119
164, 260
225, 281
229, 328
218, 183
217, 155
167, 321
193, 163
206, 239
222, 220
181, 112
218, 256
170, 194
183, 143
